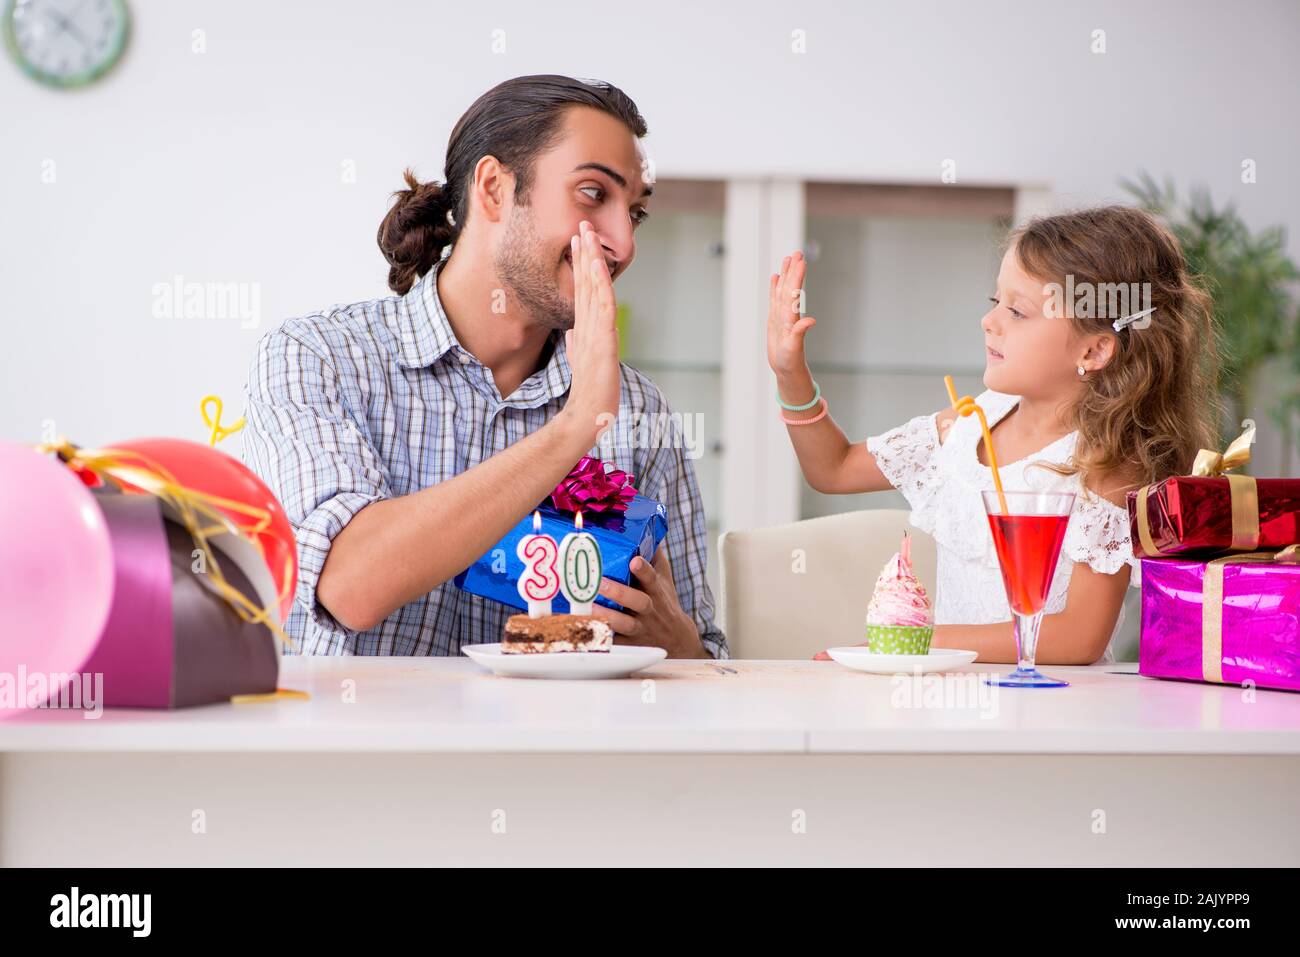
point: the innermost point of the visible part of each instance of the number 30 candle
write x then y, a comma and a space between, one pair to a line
539, 582
580, 568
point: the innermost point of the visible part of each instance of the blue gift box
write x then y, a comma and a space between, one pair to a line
621, 537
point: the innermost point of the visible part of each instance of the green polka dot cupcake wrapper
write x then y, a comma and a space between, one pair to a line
899, 639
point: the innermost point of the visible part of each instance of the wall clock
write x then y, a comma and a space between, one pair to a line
66, 43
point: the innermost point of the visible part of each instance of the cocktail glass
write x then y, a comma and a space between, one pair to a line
1028, 536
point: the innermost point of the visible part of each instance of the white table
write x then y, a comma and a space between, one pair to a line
431, 761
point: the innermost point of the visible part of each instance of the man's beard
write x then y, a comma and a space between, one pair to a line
522, 267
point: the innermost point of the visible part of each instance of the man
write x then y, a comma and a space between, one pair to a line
405, 436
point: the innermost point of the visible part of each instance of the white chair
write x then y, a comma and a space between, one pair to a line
790, 591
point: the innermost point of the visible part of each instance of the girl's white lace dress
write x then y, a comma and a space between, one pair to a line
942, 483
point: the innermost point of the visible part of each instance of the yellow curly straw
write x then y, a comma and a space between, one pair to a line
965, 406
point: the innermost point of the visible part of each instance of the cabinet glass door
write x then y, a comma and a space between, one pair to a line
898, 279
670, 305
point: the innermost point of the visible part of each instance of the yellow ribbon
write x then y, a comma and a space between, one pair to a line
277, 695
1211, 464
1243, 493
1212, 604
199, 512
213, 422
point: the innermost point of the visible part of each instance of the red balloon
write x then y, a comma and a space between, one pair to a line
205, 469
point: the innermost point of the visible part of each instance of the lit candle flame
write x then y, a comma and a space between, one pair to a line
577, 519
537, 521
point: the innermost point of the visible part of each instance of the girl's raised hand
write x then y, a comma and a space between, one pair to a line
786, 326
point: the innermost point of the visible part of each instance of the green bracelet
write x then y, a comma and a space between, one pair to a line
817, 395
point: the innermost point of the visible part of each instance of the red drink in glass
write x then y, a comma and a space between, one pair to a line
1028, 529
1028, 546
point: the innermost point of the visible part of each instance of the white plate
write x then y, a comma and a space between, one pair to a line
860, 658
619, 662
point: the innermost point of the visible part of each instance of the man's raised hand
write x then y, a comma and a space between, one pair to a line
592, 343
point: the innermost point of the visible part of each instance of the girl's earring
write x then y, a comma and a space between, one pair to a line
1081, 370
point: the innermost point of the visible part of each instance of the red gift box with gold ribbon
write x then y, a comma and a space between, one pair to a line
1209, 512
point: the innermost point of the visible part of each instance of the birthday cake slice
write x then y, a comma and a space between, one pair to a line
553, 633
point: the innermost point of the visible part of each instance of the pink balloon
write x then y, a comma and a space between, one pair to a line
56, 573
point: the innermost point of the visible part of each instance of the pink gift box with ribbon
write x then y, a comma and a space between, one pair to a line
1229, 620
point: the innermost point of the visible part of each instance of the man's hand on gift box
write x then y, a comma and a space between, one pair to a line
652, 615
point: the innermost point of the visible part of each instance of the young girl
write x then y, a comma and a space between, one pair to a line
1077, 399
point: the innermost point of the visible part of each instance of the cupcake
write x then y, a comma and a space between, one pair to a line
899, 619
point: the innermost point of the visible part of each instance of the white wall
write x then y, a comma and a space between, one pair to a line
225, 166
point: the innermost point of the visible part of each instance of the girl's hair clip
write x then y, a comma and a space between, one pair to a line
1138, 320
